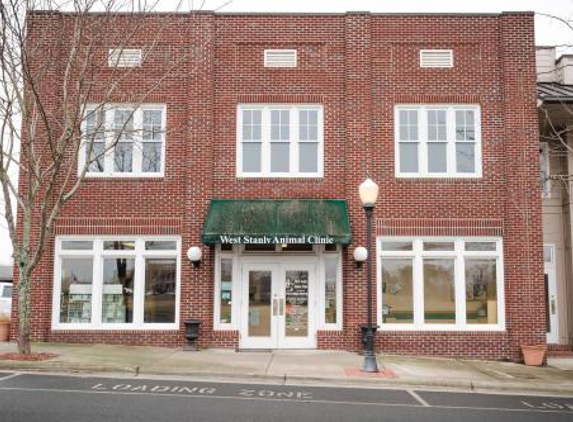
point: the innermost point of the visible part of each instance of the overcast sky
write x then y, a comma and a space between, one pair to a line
548, 31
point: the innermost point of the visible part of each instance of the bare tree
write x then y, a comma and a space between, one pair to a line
60, 137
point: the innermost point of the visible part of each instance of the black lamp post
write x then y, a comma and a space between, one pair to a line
368, 194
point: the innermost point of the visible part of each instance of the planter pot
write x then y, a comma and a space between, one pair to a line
533, 355
4, 331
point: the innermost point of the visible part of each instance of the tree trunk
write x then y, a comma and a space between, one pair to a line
24, 346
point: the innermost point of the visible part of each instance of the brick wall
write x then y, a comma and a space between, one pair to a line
358, 65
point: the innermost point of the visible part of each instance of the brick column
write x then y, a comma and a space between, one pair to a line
197, 283
524, 290
358, 113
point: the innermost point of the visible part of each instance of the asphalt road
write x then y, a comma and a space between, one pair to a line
47, 398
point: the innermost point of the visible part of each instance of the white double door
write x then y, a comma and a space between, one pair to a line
278, 305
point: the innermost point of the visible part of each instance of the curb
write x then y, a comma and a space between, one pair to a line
406, 383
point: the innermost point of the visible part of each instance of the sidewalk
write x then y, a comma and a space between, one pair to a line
298, 367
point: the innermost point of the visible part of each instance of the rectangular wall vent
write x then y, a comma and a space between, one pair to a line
436, 58
280, 58
126, 57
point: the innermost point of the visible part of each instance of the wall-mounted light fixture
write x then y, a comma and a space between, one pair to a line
194, 254
360, 255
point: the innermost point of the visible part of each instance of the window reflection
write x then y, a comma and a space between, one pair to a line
76, 290
117, 303
160, 290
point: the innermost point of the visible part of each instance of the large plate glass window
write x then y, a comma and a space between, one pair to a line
280, 140
116, 283
122, 140
440, 283
438, 141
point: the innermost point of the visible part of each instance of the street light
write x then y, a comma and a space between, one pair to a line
368, 194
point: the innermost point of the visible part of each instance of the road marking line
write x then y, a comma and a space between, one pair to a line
312, 401
418, 398
7, 377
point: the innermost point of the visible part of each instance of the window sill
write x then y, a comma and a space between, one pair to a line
280, 178
150, 327
130, 177
434, 177
441, 328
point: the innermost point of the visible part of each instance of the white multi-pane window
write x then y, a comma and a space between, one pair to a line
116, 282
280, 140
440, 284
437, 141
123, 141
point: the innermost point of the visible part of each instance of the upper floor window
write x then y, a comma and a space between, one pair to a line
438, 141
280, 140
123, 140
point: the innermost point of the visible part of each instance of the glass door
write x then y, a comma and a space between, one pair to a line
550, 280
259, 307
551, 312
296, 320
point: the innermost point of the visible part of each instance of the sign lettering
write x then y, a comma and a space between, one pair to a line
262, 240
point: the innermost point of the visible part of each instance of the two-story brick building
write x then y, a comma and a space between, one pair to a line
287, 115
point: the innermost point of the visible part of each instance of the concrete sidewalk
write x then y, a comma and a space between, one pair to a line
298, 367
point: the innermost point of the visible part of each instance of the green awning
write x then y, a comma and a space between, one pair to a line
277, 221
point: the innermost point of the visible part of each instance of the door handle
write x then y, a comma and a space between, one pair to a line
281, 307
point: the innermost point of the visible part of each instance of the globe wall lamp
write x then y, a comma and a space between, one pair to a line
368, 191
360, 255
194, 254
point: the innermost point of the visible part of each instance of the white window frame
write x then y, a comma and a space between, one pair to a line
109, 137
294, 141
459, 254
98, 254
422, 112
239, 257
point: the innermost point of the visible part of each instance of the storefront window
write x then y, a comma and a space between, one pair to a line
76, 290
481, 291
117, 300
439, 291
440, 283
330, 290
160, 290
226, 291
135, 280
397, 292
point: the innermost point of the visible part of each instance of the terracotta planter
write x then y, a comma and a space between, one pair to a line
533, 355
4, 331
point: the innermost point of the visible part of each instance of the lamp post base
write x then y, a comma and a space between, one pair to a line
370, 363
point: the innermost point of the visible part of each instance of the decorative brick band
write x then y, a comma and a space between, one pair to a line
129, 98
437, 99
103, 226
279, 98
438, 227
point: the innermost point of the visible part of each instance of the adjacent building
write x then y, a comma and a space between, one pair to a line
555, 101
285, 116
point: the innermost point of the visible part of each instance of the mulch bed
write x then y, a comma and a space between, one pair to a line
33, 357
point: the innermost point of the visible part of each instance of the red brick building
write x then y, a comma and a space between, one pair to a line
285, 115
